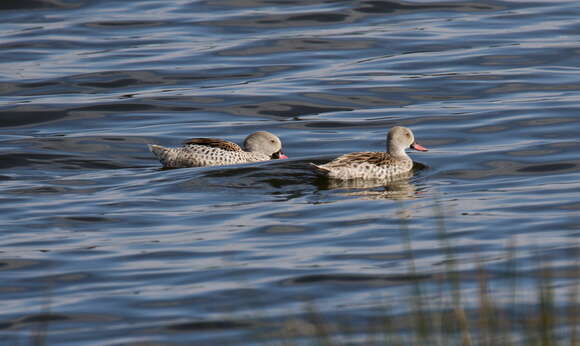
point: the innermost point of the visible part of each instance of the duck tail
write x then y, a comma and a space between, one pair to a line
157, 150
319, 169
163, 154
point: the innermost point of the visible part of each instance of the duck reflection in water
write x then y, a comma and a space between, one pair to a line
399, 188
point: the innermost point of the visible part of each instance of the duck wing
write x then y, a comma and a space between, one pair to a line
214, 143
372, 158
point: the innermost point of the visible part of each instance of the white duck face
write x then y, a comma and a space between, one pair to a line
265, 143
400, 138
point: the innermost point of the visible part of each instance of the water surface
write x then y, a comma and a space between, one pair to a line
99, 246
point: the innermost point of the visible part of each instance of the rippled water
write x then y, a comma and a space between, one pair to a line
100, 246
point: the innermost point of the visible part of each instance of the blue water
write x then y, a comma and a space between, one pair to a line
100, 246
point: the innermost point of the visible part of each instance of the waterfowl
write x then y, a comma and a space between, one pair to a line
375, 165
202, 152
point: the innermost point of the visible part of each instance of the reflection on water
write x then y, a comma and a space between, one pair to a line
395, 188
399, 188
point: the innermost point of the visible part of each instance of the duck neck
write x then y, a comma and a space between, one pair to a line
396, 151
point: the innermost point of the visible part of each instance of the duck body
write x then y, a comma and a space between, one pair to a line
365, 165
375, 165
202, 156
203, 152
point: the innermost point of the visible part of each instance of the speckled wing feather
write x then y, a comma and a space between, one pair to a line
214, 143
355, 159
365, 165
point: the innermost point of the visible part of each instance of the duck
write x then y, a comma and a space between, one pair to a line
203, 152
375, 165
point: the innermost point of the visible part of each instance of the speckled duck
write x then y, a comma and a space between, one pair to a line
375, 165
202, 152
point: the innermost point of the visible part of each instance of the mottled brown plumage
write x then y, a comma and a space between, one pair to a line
373, 158
214, 143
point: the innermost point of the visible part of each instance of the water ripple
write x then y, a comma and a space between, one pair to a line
102, 246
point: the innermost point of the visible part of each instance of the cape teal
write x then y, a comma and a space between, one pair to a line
375, 165
202, 152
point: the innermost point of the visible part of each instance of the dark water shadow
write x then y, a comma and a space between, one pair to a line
355, 279
209, 325
11, 5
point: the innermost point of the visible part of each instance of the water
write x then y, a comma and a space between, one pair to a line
99, 246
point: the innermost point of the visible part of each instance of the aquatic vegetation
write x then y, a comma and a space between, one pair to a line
448, 313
